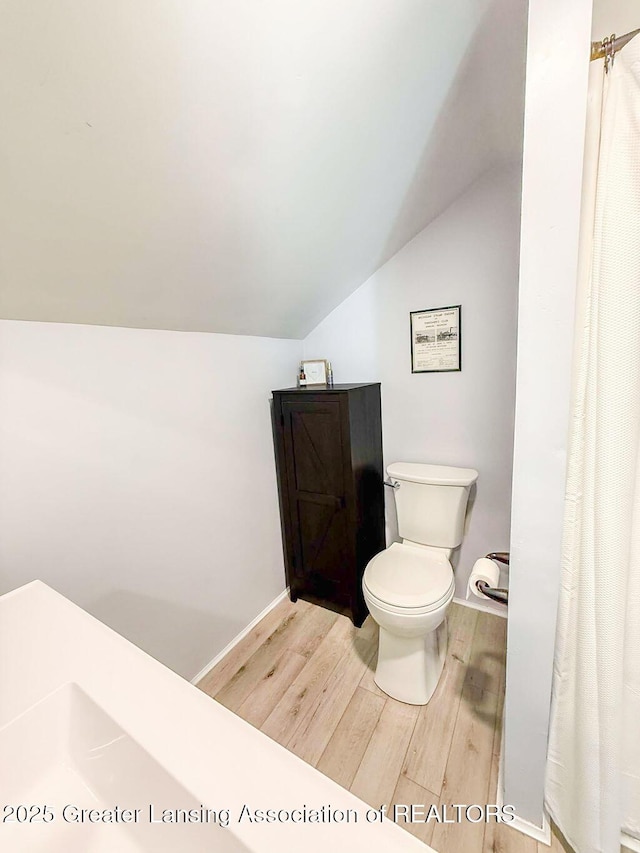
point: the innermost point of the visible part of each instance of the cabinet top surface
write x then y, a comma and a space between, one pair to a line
324, 389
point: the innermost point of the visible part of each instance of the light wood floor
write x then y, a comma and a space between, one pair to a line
304, 676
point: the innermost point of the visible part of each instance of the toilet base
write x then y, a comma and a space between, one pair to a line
409, 668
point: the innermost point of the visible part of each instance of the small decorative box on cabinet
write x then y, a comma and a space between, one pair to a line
330, 479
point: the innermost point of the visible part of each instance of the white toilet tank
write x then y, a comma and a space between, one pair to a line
431, 502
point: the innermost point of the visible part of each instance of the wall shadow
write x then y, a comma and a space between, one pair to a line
182, 638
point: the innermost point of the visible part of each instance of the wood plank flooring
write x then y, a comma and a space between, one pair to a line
304, 676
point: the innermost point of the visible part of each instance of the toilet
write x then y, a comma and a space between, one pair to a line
409, 586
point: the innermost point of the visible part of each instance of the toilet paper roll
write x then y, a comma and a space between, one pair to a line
483, 570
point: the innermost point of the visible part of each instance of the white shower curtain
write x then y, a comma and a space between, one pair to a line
593, 770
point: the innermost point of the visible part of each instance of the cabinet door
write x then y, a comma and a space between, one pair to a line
313, 443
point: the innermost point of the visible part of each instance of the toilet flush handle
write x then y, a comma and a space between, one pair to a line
391, 484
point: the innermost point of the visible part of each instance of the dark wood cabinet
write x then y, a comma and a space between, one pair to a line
330, 479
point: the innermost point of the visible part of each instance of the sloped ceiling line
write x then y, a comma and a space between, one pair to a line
237, 166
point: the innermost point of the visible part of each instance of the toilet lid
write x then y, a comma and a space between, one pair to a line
406, 576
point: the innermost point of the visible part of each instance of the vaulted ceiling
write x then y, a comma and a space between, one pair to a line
237, 166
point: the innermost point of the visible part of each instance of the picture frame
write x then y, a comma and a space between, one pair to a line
436, 340
316, 371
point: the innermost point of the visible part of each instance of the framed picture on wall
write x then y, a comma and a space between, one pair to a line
436, 342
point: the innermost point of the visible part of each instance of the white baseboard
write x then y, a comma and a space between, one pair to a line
478, 605
239, 637
628, 842
540, 833
277, 600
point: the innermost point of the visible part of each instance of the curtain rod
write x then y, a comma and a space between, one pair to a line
608, 47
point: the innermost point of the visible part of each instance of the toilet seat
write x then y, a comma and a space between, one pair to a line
408, 611
409, 578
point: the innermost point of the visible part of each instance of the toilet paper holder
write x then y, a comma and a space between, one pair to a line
499, 595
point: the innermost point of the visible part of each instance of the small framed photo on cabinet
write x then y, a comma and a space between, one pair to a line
316, 371
436, 344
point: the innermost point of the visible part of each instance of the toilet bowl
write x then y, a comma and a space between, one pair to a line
408, 587
411, 617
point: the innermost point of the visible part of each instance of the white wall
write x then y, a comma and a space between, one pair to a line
555, 111
468, 256
614, 16
237, 166
137, 478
